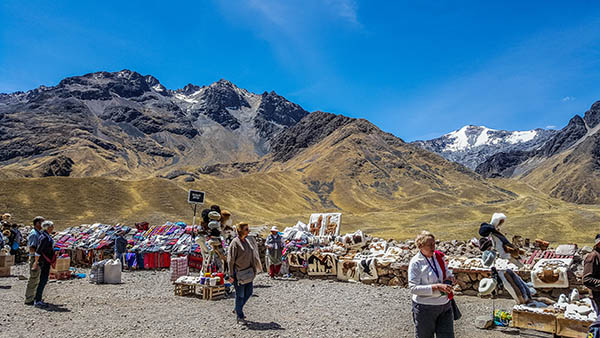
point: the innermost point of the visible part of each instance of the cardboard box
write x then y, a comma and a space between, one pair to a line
5, 272
6, 261
534, 321
571, 328
62, 264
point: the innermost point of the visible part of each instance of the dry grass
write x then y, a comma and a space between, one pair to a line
282, 199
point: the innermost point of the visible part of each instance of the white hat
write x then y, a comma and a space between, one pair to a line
487, 286
496, 218
47, 224
274, 228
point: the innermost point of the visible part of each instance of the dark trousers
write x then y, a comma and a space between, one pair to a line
44, 274
433, 319
596, 301
242, 294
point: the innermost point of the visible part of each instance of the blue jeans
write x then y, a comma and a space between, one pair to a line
242, 294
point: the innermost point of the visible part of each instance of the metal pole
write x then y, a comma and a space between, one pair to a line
194, 219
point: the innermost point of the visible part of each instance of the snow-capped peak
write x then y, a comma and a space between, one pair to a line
470, 136
470, 145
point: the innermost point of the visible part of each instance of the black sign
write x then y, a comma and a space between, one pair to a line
195, 196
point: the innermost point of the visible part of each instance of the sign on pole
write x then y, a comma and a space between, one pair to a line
196, 197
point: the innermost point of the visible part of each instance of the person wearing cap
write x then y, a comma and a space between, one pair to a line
33, 241
43, 260
274, 245
591, 273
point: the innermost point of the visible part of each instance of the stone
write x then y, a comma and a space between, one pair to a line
470, 293
586, 250
384, 280
395, 282
483, 322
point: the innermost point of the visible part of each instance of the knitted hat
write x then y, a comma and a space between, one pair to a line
488, 258
214, 225
215, 216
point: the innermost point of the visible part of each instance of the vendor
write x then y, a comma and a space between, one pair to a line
274, 251
432, 310
591, 273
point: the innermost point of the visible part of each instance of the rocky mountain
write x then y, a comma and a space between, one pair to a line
473, 145
127, 125
566, 166
349, 164
120, 147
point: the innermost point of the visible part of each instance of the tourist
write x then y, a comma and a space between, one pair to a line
120, 248
33, 241
432, 309
43, 260
274, 245
242, 266
591, 273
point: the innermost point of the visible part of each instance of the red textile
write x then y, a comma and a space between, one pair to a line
274, 270
440, 259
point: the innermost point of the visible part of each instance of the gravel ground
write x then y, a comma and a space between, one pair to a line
144, 306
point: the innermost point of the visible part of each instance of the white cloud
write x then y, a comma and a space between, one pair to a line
550, 127
346, 9
568, 98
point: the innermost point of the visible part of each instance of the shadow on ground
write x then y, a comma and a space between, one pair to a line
256, 326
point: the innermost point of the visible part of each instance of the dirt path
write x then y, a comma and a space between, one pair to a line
144, 306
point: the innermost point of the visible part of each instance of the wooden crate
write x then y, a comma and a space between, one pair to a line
571, 328
185, 289
213, 292
7, 261
60, 275
534, 321
5, 272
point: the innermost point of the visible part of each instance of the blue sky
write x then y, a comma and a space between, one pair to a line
414, 68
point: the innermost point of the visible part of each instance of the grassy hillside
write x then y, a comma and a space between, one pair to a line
283, 198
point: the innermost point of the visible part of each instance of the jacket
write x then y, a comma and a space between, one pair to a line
591, 272
241, 255
46, 248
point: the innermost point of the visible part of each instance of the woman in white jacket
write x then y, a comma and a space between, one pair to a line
432, 310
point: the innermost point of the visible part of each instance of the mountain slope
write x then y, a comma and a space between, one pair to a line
472, 145
566, 166
127, 125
